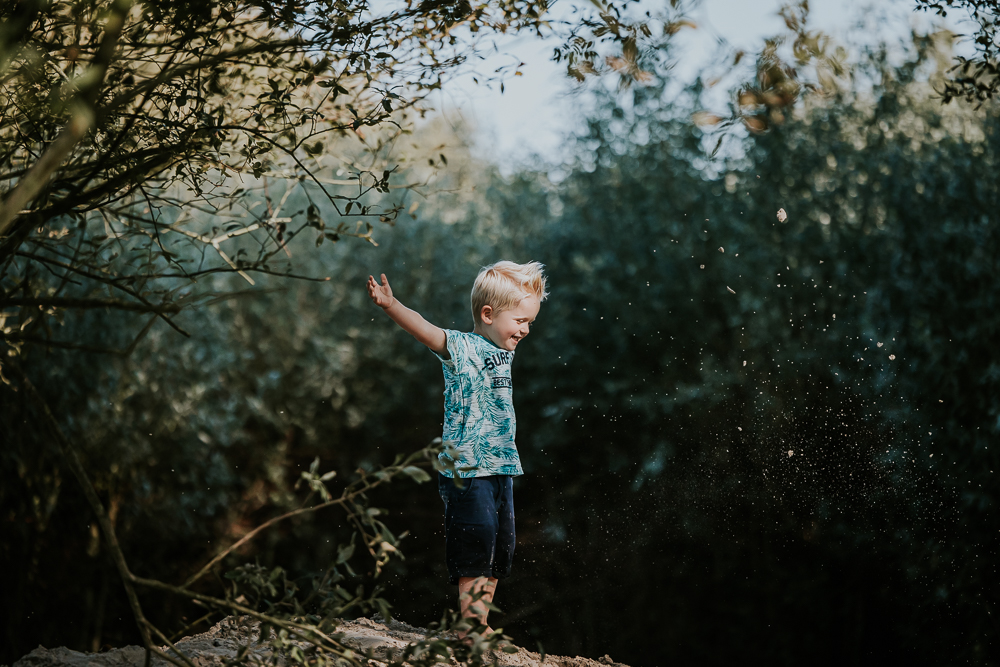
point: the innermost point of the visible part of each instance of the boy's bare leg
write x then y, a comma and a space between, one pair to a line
468, 587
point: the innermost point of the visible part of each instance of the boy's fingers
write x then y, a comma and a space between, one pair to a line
385, 281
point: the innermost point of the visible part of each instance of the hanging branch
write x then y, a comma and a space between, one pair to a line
55, 155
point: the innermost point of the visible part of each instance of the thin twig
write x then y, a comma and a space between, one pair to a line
195, 623
307, 633
180, 654
66, 302
267, 524
63, 345
104, 279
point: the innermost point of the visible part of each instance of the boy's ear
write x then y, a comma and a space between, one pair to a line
486, 315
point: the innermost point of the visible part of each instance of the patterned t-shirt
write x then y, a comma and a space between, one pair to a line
478, 407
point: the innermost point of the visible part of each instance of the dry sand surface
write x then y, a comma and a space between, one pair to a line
221, 643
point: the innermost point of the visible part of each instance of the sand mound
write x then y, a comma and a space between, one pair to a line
222, 642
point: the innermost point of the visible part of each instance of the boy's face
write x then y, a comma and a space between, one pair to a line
506, 328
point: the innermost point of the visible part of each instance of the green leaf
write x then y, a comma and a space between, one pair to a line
418, 475
344, 553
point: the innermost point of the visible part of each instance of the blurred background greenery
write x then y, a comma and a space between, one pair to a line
741, 436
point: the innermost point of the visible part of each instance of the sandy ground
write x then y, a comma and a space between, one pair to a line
221, 643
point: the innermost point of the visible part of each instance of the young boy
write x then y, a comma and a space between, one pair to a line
478, 422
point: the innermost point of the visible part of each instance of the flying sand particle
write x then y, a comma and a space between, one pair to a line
721, 249
892, 357
791, 453
782, 216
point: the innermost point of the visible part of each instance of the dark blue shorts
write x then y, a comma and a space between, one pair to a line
478, 526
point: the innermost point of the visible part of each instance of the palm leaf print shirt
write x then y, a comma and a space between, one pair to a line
478, 408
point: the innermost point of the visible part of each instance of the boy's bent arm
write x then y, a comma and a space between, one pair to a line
410, 320
415, 324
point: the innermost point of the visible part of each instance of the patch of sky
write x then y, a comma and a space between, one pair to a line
528, 122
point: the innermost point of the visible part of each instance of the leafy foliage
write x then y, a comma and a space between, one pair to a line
796, 466
975, 79
757, 420
141, 143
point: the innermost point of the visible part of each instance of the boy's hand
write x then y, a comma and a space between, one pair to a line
380, 294
410, 320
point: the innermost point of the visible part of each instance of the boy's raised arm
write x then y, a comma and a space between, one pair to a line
411, 321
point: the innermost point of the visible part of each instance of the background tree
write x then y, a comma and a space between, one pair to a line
974, 79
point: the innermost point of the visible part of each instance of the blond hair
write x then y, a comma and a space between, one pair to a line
505, 284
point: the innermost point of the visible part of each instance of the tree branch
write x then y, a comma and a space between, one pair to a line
104, 279
38, 176
67, 302
308, 633
65, 345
